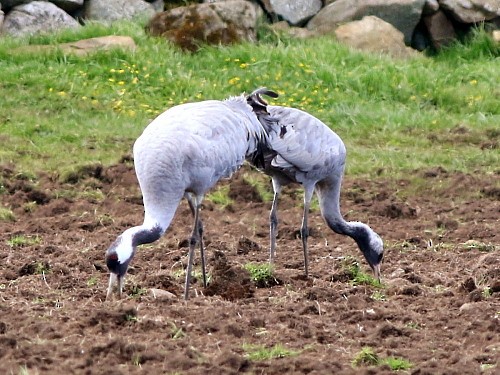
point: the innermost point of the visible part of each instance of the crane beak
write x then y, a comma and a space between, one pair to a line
114, 279
376, 271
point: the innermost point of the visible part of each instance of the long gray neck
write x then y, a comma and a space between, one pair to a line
329, 200
146, 235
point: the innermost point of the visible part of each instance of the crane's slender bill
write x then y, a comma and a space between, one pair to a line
376, 271
114, 279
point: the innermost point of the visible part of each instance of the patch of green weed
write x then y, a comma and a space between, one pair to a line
21, 240
220, 196
138, 291
30, 206
478, 245
7, 215
397, 363
261, 184
92, 281
368, 357
42, 268
356, 275
176, 332
378, 296
262, 353
261, 274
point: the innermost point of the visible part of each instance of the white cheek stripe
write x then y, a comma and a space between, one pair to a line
376, 242
124, 249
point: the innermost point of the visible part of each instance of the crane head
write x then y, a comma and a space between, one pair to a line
372, 247
258, 104
117, 259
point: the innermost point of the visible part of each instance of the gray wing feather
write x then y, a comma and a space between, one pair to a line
302, 141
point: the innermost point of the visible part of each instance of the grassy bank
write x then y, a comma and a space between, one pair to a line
59, 112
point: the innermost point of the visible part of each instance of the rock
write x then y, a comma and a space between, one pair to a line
113, 10
440, 29
36, 17
470, 307
471, 11
158, 5
430, 7
372, 34
295, 12
496, 36
397, 273
162, 295
402, 14
295, 32
223, 22
85, 46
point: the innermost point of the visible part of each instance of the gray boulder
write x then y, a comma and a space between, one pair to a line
295, 12
222, 22
113, 10
440, 29
284, 27
496, 36
374, 35
158, 5
430, 7
85, 46
402, 14
472, 11
36, 17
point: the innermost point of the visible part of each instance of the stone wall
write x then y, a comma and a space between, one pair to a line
422, 23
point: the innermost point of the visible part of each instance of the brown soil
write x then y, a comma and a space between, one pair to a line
439, 307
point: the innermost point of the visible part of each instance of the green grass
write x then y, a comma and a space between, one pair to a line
92, 281
478, 245
22, 241
61, 111
7, 214
176, 333
261, 353
368, 357
358, 277
220, 196
261, 274
261, 184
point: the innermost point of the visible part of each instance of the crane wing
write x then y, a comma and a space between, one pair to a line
303, 142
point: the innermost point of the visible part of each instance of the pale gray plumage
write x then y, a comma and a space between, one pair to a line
183, 153
302, 149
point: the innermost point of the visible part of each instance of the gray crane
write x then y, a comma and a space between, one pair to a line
183, 153
302, 149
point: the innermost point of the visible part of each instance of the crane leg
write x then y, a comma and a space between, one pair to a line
194, 240
273, 225
189, 198
304, 230
202, 253
273, 221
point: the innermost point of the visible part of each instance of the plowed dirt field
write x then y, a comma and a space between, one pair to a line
438, 307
